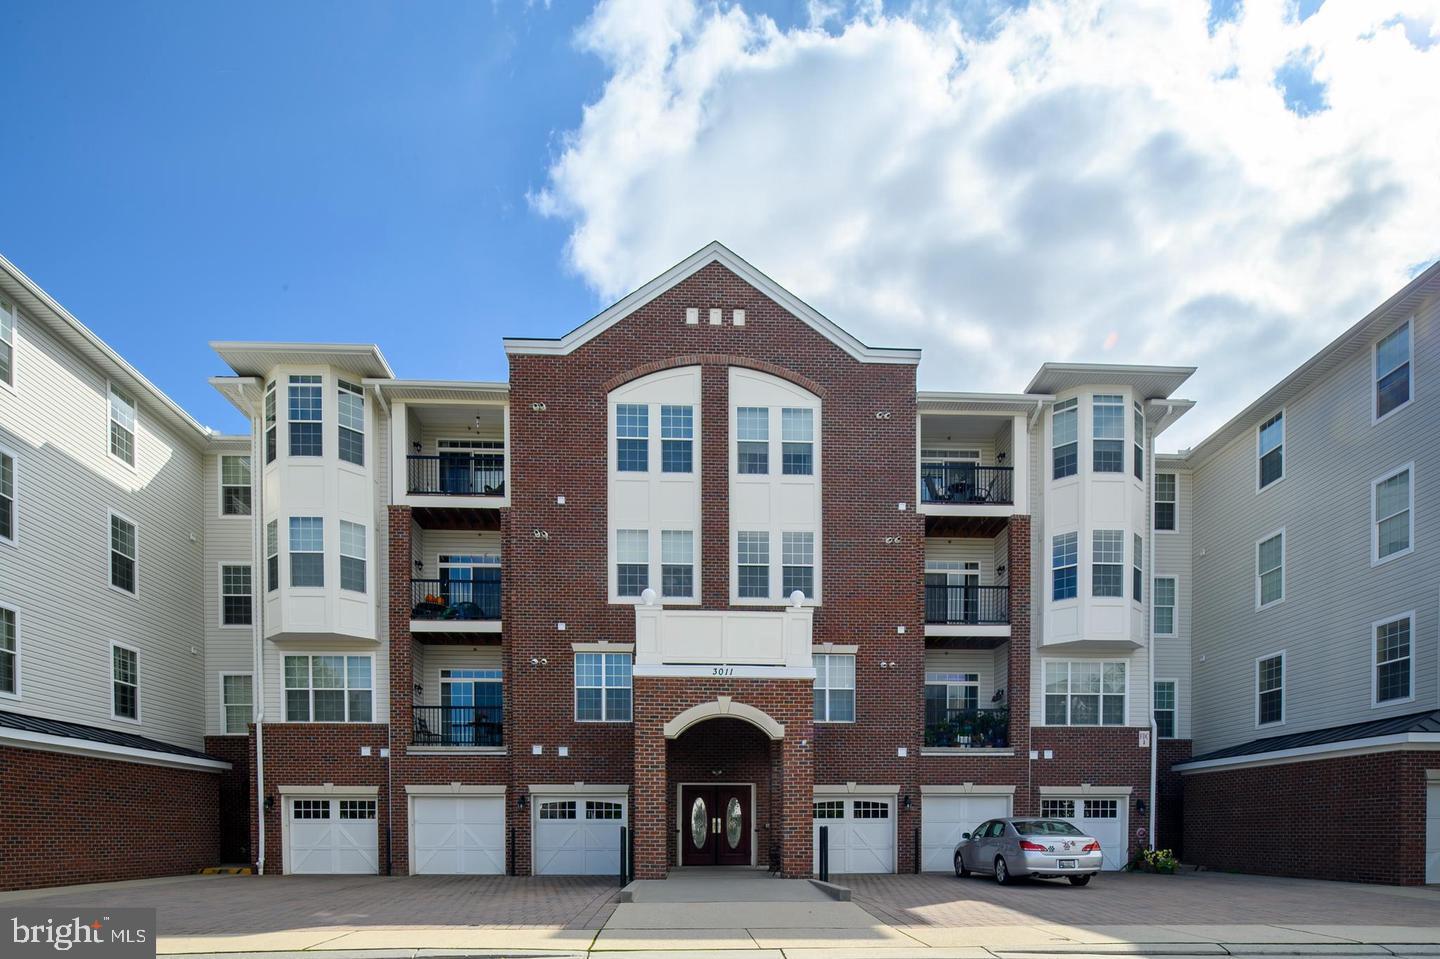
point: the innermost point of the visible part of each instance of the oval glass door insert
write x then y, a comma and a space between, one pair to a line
734, 822
699, 823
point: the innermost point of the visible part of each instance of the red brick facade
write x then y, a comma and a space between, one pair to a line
72, 819
1354, 818
236, 808
1170, 794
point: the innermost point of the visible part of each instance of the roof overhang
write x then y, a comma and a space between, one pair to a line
713, 252
243, 392
1148, 382
934, 401
258, 359
1160, 415
440, 391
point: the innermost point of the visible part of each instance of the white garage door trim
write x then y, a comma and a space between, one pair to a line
876, 852
591, 847
939, 836
1116, 848
487, 847
349, 852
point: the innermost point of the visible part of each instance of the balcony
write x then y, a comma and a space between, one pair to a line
455, 474
967, 728
963, 605
964, 483
456, 605
973, 460
464, 727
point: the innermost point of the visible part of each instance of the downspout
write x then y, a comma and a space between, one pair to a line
1150, 645
257, 601
389, 726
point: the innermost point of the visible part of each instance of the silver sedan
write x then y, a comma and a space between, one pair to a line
1022, 847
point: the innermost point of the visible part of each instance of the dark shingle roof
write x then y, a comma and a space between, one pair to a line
57, 727
1426, 722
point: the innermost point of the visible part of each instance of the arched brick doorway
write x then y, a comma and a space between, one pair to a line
721, 774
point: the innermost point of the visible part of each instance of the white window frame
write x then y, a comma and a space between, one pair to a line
1375, 701
295, 381
12, 309
1283, 688
1375, 417
1095, 563
364, 589
854, 689
689, 563
1175, 489
1075, 566
291, 551
14, 537
345, 388
220, 582
1174, 709
14, 611
604, 685
1174, 606
1284, 563
1284, 449
1137, 569
1375, 558
220, 469
224, 715
1069, 694
110, 685
1061, 408
272, 553
110, 391
110, 517
310, 687
1106, 400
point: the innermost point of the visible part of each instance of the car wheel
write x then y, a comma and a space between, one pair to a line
961, 869
1079, 880
1002, 872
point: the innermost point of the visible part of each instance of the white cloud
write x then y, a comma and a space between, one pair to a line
1095, 180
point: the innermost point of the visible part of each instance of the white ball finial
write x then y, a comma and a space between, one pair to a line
648, 597
797, 598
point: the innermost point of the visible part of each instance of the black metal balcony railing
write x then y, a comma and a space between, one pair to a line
961, 483
968, 728
458, 726
456, 474
960, 605
456, 599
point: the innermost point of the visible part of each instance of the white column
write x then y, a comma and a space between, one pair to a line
1020, 457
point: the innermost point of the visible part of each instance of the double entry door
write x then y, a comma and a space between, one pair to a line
715, 825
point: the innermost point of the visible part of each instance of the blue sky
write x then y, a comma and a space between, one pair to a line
1000, 182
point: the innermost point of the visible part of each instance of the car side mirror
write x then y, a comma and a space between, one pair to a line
964, 835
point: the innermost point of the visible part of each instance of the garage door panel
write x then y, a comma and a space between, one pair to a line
332, 836
1105, 818
458, 835
945, 819
861, 834
579, 835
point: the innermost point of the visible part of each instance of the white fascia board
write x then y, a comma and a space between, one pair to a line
713, 252
454, 789
327, 789
1349, 747
1085, 789
855, 789
967, 789
553, 789
44, 742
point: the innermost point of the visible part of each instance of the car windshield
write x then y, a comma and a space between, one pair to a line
1046, 827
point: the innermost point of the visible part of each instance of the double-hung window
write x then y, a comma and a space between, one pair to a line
752, 440
1392, 652
632, 438
236, 702
272, 555
1064, 560
1084, 693
1065, 439
797, 570
1108, 433
632, 561
1392, 516
1138, 442
270, 433
307, 551
123, 553
752, 551
677, 563
350, 405
1270, 449
1392, 371
1270, 570
329, 689
9, 652
948, 697
236, 593
602, 687
7, 497
1107, 563
234, 486
7, 343
1137, 570
834, 688
352, 557
122, 425
797, 439
1165, 708
307, 402
1270, 690
1162, 604
1165, 504
677, 439
124, 682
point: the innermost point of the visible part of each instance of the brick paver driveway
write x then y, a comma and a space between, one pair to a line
248, 905
1131, 898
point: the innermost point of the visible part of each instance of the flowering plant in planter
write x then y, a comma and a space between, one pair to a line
1158, 860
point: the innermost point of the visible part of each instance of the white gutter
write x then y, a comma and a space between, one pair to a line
46, 742
257, 617
1373, 744
1150, 647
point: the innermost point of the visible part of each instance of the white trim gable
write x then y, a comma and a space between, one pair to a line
713, 252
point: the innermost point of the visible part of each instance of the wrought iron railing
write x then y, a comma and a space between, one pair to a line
968, 728
458, 726
961, 605
960, 483
456, 474
456, 599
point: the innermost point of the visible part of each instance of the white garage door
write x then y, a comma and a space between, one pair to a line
579, 835
458, 835
332, 836
1432, 832
1108, 820
861, 834
944, 819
